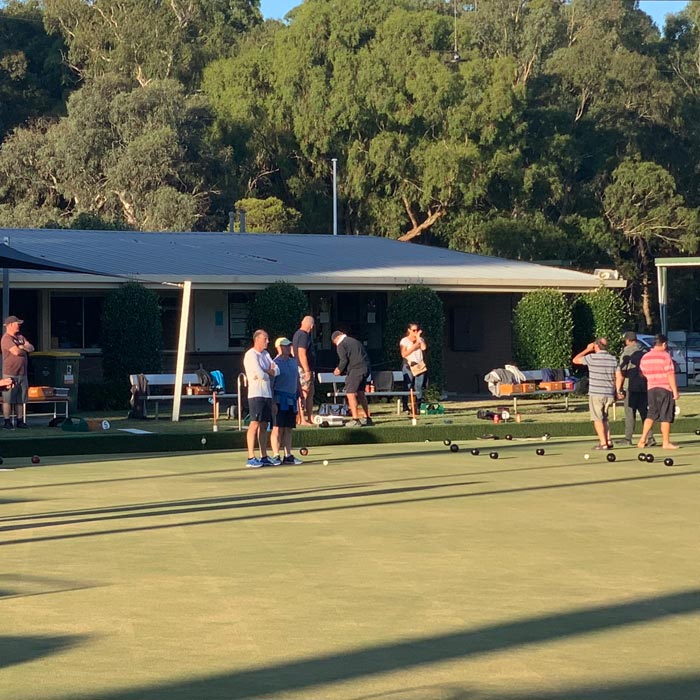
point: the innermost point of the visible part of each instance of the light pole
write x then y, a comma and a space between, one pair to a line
335, 195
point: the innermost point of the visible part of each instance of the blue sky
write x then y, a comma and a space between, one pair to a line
276, 9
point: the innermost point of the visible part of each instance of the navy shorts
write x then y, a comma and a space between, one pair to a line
260, 410
662, 407
286, 418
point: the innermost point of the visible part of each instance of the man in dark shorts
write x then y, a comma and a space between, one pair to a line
353, 361
662, 390
259, 371
305, 354
15, 358
285, 394
633, 386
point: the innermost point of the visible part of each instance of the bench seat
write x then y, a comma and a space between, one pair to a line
338, 382
167, 381
535, 375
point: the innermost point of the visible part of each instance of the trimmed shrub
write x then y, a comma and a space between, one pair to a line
103, 396
132, 336
599, 314
542, 330
423, 306
277, 309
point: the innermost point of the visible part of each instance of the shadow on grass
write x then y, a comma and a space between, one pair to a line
88, 482
208, 505
686, 687
342, 667
293, 512
18, 650
27, 586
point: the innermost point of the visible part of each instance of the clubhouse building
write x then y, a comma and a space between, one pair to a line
349, 281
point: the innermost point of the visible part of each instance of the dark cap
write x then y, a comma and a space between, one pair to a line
335, 335
629, 335
13, 319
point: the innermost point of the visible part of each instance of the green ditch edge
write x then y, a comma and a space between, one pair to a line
105, 443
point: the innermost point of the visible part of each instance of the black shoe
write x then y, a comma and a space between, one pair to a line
367, 421
651, 442
22, 424
8, 425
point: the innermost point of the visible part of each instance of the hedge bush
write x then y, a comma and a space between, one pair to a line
542, 330
104, 396
132, 333
278, 309
421, 305
599, 314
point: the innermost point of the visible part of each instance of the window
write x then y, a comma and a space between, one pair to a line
238, 305
75, 321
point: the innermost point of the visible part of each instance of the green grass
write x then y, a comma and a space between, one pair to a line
402, 572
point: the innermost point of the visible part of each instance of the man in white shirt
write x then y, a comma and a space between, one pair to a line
259, 369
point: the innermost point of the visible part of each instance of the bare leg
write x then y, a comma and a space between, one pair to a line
666, 436
309, 404
286, 440
262, 439
251, 436
648, 425
362, 400
601, 430
352, 405
276, 440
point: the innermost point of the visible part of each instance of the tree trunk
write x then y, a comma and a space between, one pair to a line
646, 301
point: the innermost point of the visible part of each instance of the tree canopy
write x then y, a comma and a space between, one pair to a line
532, 129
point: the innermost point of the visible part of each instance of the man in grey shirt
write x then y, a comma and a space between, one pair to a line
632, 384
601, 388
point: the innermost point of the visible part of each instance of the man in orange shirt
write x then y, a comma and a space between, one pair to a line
662, 390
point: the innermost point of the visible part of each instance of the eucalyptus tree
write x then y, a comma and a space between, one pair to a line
137, 155
33, 79
146, 41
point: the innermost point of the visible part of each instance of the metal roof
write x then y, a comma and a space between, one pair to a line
252, 261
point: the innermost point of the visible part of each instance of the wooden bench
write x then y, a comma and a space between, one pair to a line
338, 383
535, 375
166, 382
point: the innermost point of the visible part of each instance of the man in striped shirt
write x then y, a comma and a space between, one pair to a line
601, 388
662, 390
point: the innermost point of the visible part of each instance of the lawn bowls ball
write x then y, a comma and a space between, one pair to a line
697, 432
586, 456
325, 462
475, 451
650, 458
454, 448
642, 457
611, 457
668, 462
447, 443
36, 459
509, 437
540, 452
493, 455
203, 441
304, 451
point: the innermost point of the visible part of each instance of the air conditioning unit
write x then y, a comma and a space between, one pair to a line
607, 274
